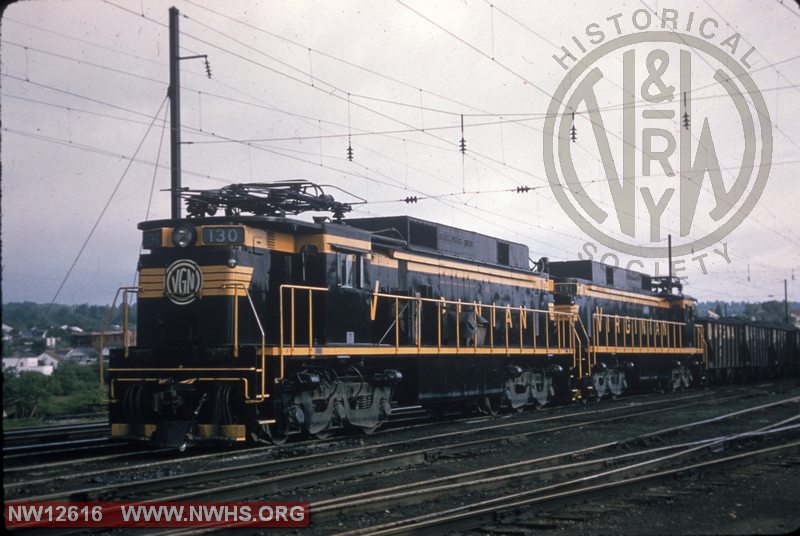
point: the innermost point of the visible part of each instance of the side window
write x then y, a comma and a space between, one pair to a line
503, 256
350, 270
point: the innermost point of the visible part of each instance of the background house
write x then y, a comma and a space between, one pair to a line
44, 366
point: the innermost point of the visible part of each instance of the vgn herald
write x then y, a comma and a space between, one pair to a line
252, 325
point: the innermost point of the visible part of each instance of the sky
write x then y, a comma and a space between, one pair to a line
85, 155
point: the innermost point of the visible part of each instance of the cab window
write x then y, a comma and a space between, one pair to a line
350, 270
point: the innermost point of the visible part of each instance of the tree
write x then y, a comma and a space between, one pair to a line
89, 317
29, 389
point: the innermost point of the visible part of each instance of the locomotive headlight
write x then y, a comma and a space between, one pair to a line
183, 236
232, 262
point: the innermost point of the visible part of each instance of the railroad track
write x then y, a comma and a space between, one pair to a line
33, 457
21, 460
25, 460
23, 437
637, 468
31, 446
250, 475
245, 475
561, 476
22, 465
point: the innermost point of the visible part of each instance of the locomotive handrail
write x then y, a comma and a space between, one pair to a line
281, 340
589, 360
652, 334
558, 318
700, 342
236, 287
125, 291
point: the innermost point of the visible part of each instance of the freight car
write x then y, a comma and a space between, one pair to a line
253, 325
740, 350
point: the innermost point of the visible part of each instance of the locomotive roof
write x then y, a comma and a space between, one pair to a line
405, 232
608, 276
436, 238
601, 274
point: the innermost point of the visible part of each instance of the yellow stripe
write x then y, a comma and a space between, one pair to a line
142, 431
300, 351
235, 432
212, 269
207, 293
572, 309
206, 270
215, 277
186, 369
622, 296
384, 261
471, 276
152, 272
486, 274
643, 350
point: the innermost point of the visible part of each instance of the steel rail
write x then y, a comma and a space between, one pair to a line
327, 466
414, 496
48, 434
516, 505
536, 468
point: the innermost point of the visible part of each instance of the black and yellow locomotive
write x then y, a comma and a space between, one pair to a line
637, 329
255, 325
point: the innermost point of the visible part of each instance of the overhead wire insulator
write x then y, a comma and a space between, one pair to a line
349, 144
686, 119
573, 132
523, 189
462, 144
411, 199
208, 67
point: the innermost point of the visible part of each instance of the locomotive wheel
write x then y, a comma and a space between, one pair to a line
616, 383
489, 406
275, 433
369, 430
600, 384
324, 434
